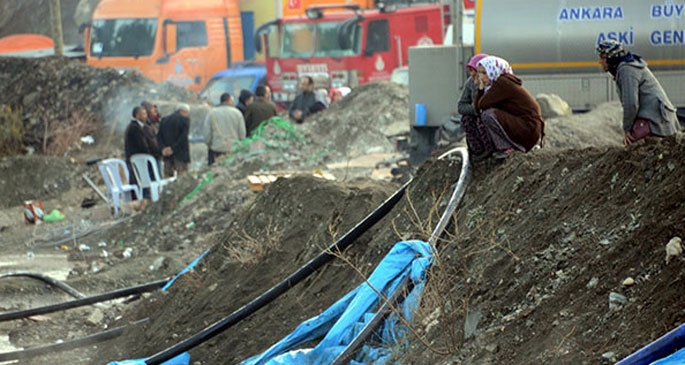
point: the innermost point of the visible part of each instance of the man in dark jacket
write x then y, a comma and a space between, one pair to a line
135, 140
304, 101
260, 110
244, 99
173, 141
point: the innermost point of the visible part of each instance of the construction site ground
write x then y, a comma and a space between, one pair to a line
523, 274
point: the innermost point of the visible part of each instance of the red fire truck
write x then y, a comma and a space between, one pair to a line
345, 45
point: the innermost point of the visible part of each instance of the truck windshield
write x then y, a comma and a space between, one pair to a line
231, 84
123, 37
316, 40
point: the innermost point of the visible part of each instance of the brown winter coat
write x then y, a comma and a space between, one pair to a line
517, 111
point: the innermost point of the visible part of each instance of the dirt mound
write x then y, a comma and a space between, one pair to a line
57, 89
34, 178
362, 122
601, 126
284, 228
542, 241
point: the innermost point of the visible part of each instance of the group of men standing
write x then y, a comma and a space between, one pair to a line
227, 123
163, 138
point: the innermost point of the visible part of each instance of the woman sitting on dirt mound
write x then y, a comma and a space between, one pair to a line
509, 117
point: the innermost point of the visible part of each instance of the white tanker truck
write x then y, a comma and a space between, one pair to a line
550, 45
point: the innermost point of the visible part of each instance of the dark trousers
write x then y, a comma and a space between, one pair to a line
212, 156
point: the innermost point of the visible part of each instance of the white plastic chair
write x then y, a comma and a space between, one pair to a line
140, 164
116, 189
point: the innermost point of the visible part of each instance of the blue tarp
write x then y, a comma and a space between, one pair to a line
340, 323
659, 350
676, 359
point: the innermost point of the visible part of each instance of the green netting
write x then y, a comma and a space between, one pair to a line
207, 179
276, 133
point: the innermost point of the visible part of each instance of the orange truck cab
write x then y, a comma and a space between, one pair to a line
345, 45
181, 41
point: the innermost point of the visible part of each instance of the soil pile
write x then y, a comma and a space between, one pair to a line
362, 122
57, 89
34, 177
601, 126
289, 224
540, 243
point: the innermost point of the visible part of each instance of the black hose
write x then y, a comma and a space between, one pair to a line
273, 293
56, 283
68, 345
144, 288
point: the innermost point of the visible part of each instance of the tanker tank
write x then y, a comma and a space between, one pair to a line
555, 37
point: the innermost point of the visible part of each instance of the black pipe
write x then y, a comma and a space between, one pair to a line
46, 279
68, 345
284, 285
144, 288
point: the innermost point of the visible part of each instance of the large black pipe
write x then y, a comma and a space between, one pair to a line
68, 345
46, 279
282, 287
119, 293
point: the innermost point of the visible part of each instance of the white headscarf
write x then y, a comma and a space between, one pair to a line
344, 90
321, 95
495, 67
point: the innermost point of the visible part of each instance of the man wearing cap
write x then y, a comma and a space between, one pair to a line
647, 111
173, 140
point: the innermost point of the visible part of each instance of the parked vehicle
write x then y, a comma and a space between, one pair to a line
180, 41
552, 46
345, 45
400, 75
298, 7
241, 76
29, 45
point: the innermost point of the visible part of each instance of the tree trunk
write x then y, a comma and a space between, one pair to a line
56, 20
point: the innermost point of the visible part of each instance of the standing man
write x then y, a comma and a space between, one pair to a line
223, 126
151, 128
260, 110
173, 140
153, 116
647, 111
244, 99
304, 101
135, 140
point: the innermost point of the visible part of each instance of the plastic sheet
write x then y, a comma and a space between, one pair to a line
658, 349
340, 323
